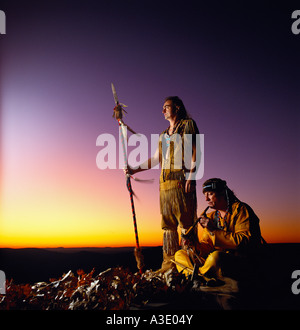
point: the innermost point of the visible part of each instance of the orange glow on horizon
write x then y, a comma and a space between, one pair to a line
57, 208
147, 237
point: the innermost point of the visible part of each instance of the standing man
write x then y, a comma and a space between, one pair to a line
179, 157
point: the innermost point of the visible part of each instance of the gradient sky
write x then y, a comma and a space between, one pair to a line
236, 67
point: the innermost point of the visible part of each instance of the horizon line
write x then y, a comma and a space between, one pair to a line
104, 247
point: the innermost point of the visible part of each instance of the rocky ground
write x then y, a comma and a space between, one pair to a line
123, 288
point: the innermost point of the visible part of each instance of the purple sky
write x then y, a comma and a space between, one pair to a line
236, 67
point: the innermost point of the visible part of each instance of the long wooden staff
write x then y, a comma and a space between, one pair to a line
118, 114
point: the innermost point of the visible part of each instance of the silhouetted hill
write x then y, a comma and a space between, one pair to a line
30, 265
270, 288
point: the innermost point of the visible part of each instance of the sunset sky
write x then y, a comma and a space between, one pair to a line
234, 66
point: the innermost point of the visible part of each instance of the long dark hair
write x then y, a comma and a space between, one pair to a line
181, 113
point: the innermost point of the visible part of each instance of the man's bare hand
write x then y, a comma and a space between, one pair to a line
189, 186
207, 223
128, 170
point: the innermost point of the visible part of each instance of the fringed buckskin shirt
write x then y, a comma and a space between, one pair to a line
177, 207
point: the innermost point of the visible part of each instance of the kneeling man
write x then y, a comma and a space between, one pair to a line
231, 232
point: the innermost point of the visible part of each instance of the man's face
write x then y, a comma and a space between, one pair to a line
212, 199
168, 110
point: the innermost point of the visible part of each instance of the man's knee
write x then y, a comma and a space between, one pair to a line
183, 262
212, 265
